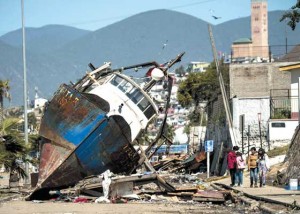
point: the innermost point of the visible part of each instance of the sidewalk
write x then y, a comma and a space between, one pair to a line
267, 193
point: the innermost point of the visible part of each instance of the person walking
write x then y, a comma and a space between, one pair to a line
252, 166
263, 166
231, 163
241, 165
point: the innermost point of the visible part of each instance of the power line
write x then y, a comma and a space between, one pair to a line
128, 15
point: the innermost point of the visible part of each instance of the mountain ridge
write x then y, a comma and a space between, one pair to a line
54, 59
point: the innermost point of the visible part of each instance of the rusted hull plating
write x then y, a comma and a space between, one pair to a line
79, 140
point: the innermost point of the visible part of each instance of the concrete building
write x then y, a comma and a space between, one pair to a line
256, 48
262, 93
294, 69
197, 66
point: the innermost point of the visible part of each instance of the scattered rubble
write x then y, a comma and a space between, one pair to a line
144, 188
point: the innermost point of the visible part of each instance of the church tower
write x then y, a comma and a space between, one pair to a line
259, 28
256, 47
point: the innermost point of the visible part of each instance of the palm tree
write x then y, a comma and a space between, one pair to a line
293, 15
11, 153
4, 88
13, 149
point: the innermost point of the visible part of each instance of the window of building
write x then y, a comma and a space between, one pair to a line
278, 125
256, 30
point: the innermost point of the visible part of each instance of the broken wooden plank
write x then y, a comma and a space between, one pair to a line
208, 199
187, 189
91, 192
209, 194
183, 194
167, 186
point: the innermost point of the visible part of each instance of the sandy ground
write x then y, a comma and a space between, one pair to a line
26, 207
19, 206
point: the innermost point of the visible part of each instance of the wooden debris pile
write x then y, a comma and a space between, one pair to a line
145, 188
177, 164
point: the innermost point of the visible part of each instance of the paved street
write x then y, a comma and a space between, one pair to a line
268, 192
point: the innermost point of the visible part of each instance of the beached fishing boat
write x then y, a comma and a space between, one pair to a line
89, 127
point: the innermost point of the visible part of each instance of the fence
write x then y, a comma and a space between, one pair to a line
282, 104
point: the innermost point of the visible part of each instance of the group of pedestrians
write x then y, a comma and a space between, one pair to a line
257, 163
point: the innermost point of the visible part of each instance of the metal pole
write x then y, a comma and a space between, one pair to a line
25, 91
242, 138
248, 134
259, 126
242, 123
299, 100
193, 141
223, 91
208, 164
285, 37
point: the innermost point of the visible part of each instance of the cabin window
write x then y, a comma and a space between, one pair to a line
116, 80
135, 95
125, 86
149, 112
143, 104
278, 125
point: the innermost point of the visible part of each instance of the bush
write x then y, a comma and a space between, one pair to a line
278, 151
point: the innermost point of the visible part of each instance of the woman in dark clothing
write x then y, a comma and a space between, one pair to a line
231, 163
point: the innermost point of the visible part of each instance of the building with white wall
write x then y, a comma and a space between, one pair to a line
197, 66
252, 91
294, 69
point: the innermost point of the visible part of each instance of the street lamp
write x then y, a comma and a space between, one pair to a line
259, 127
25, 92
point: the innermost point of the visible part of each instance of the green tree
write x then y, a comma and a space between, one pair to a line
187, 131
13, 149
12, 152
32, 121
4, 93
293, 16
170, 132
180, 71
204, 86
200, 87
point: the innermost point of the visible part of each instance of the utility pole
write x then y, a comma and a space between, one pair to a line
259, 127
285, 36
248, 134
242, 124
25, 92
298, 100
223, 91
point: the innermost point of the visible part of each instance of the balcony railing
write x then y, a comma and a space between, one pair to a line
283, 105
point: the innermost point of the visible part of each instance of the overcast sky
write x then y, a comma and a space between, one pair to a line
95, 14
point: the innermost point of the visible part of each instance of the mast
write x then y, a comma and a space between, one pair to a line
223, 91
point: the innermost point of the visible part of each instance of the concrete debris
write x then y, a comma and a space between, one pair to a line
102, 200
106, 181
